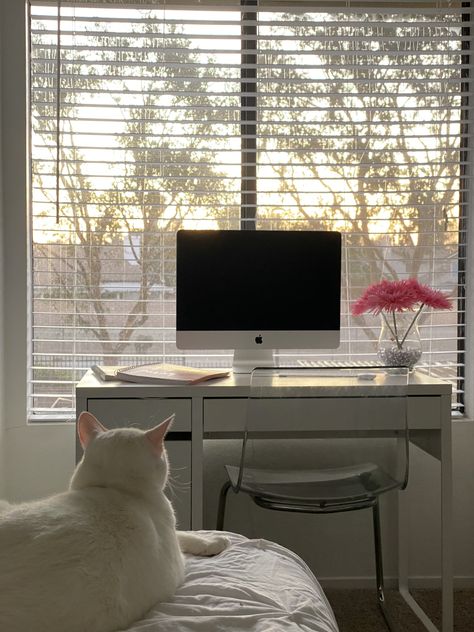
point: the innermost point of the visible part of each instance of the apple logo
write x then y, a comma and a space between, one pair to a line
258, 340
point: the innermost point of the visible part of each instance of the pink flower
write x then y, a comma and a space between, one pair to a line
387, 296
432, 298
397, 296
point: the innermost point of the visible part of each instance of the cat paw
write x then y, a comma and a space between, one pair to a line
200, 544
213, 545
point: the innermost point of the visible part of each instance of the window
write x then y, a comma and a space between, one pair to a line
146, 119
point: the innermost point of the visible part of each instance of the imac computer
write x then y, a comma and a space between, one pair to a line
255, 291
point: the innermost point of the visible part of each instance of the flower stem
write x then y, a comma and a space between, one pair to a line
399, 345
389, 327
412, 323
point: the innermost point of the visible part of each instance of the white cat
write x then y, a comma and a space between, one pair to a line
97, 557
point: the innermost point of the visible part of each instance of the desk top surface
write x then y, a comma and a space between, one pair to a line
384, 384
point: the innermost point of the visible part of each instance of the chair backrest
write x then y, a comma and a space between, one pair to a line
335, 417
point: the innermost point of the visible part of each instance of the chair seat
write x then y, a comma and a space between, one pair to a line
330, 486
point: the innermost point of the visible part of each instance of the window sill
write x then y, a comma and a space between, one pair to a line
35, 420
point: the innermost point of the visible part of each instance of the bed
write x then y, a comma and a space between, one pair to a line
254, 585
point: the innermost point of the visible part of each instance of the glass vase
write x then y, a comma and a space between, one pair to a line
399, 341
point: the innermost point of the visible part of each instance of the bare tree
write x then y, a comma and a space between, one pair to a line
357, 126
163, 183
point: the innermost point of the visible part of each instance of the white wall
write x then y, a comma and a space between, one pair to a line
14, 317
2, 397
41, 460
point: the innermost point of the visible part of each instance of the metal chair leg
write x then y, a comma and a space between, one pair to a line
379, 567
221, 508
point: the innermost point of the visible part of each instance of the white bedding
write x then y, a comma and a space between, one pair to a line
254, 585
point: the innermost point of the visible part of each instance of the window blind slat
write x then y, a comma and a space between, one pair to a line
360, 126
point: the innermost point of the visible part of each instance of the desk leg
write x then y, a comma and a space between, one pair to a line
445, 446
446, 515
403, 555
197, 451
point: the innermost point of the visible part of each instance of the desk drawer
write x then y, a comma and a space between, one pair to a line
142, 413
325, 414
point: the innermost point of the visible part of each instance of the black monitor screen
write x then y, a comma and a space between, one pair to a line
231, 280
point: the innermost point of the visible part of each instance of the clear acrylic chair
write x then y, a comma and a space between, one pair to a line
343, 483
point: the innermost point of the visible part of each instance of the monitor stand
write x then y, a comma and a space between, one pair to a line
246, 360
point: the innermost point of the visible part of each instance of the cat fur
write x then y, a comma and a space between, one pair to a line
97, 557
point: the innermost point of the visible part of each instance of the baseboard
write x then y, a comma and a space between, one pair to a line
362, 583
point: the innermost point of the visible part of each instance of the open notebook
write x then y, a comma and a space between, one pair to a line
158, 373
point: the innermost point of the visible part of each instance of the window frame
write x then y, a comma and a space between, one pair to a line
14, 183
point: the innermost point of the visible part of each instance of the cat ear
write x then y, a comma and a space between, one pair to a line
88, 427
156, 435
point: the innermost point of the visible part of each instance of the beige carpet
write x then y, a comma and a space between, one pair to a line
357, 610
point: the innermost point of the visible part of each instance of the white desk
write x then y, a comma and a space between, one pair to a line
216, 410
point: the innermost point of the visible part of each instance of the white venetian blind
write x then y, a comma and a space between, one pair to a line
146, 118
